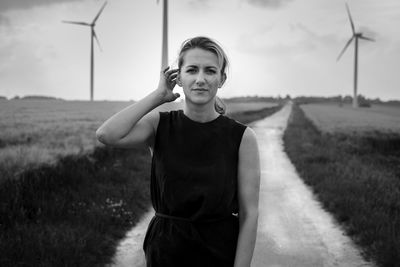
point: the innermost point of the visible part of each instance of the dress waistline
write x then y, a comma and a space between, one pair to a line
161, 215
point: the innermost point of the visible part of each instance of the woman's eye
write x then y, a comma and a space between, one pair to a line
191, 70
211, 71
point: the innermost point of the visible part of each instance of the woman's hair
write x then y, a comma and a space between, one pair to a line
207, 44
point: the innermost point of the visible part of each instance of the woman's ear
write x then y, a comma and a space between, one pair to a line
223, 79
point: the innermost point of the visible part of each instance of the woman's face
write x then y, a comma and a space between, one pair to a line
200, 76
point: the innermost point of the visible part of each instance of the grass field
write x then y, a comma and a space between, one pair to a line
344, 119
353, 166
41, 131
238, 107
73, 211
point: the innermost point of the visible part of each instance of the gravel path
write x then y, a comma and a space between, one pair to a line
293, 229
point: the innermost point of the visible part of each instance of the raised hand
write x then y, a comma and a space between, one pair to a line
167, 83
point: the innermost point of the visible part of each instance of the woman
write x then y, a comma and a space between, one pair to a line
205, 167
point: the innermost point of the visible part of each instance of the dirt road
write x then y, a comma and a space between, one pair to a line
293, 229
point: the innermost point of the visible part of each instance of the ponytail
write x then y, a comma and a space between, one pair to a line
219, 105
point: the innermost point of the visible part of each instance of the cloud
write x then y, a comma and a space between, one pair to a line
259, 3
6, 5
4, 20
291, 40
12, 5
268, 3
15, 76
319, 38
200, 5
275, 45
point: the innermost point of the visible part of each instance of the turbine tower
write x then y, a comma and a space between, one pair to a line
93, 36
164, 48
356, 36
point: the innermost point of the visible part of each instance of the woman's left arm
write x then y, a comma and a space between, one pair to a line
248, 191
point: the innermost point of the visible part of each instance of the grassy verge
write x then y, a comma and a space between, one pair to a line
357, 178
253, 115
74, 212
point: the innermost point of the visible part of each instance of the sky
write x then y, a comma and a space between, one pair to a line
275, 47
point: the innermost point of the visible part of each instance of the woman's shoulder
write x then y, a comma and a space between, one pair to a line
249, 143
235, 123
249, 134
169, 113
169, 117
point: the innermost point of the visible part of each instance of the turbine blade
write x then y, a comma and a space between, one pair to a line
76, 22
367, 38
98, 14
345, 47
97, 40
351, 20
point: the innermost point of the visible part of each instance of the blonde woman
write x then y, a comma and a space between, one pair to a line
205, 166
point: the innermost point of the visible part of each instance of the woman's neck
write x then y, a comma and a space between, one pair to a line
200, 113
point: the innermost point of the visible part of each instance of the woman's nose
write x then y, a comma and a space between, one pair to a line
200, 78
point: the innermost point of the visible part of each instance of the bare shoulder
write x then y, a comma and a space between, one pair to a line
248, 169
152, 119
143, 133
249, 140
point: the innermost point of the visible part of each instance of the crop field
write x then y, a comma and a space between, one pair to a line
344, 119
238, 107
39, 131
351, 160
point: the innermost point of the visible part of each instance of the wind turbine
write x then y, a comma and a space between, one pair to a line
164, 48
356, 36
93, 36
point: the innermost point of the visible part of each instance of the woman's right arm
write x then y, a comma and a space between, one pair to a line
136, 125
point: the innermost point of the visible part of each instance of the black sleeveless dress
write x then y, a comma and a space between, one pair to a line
194, 192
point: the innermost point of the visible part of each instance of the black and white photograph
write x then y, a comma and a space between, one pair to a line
199, 133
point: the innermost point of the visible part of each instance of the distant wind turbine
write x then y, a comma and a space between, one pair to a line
164, 48
93, 36
356, 36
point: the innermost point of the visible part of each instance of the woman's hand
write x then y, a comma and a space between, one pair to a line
167, 83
